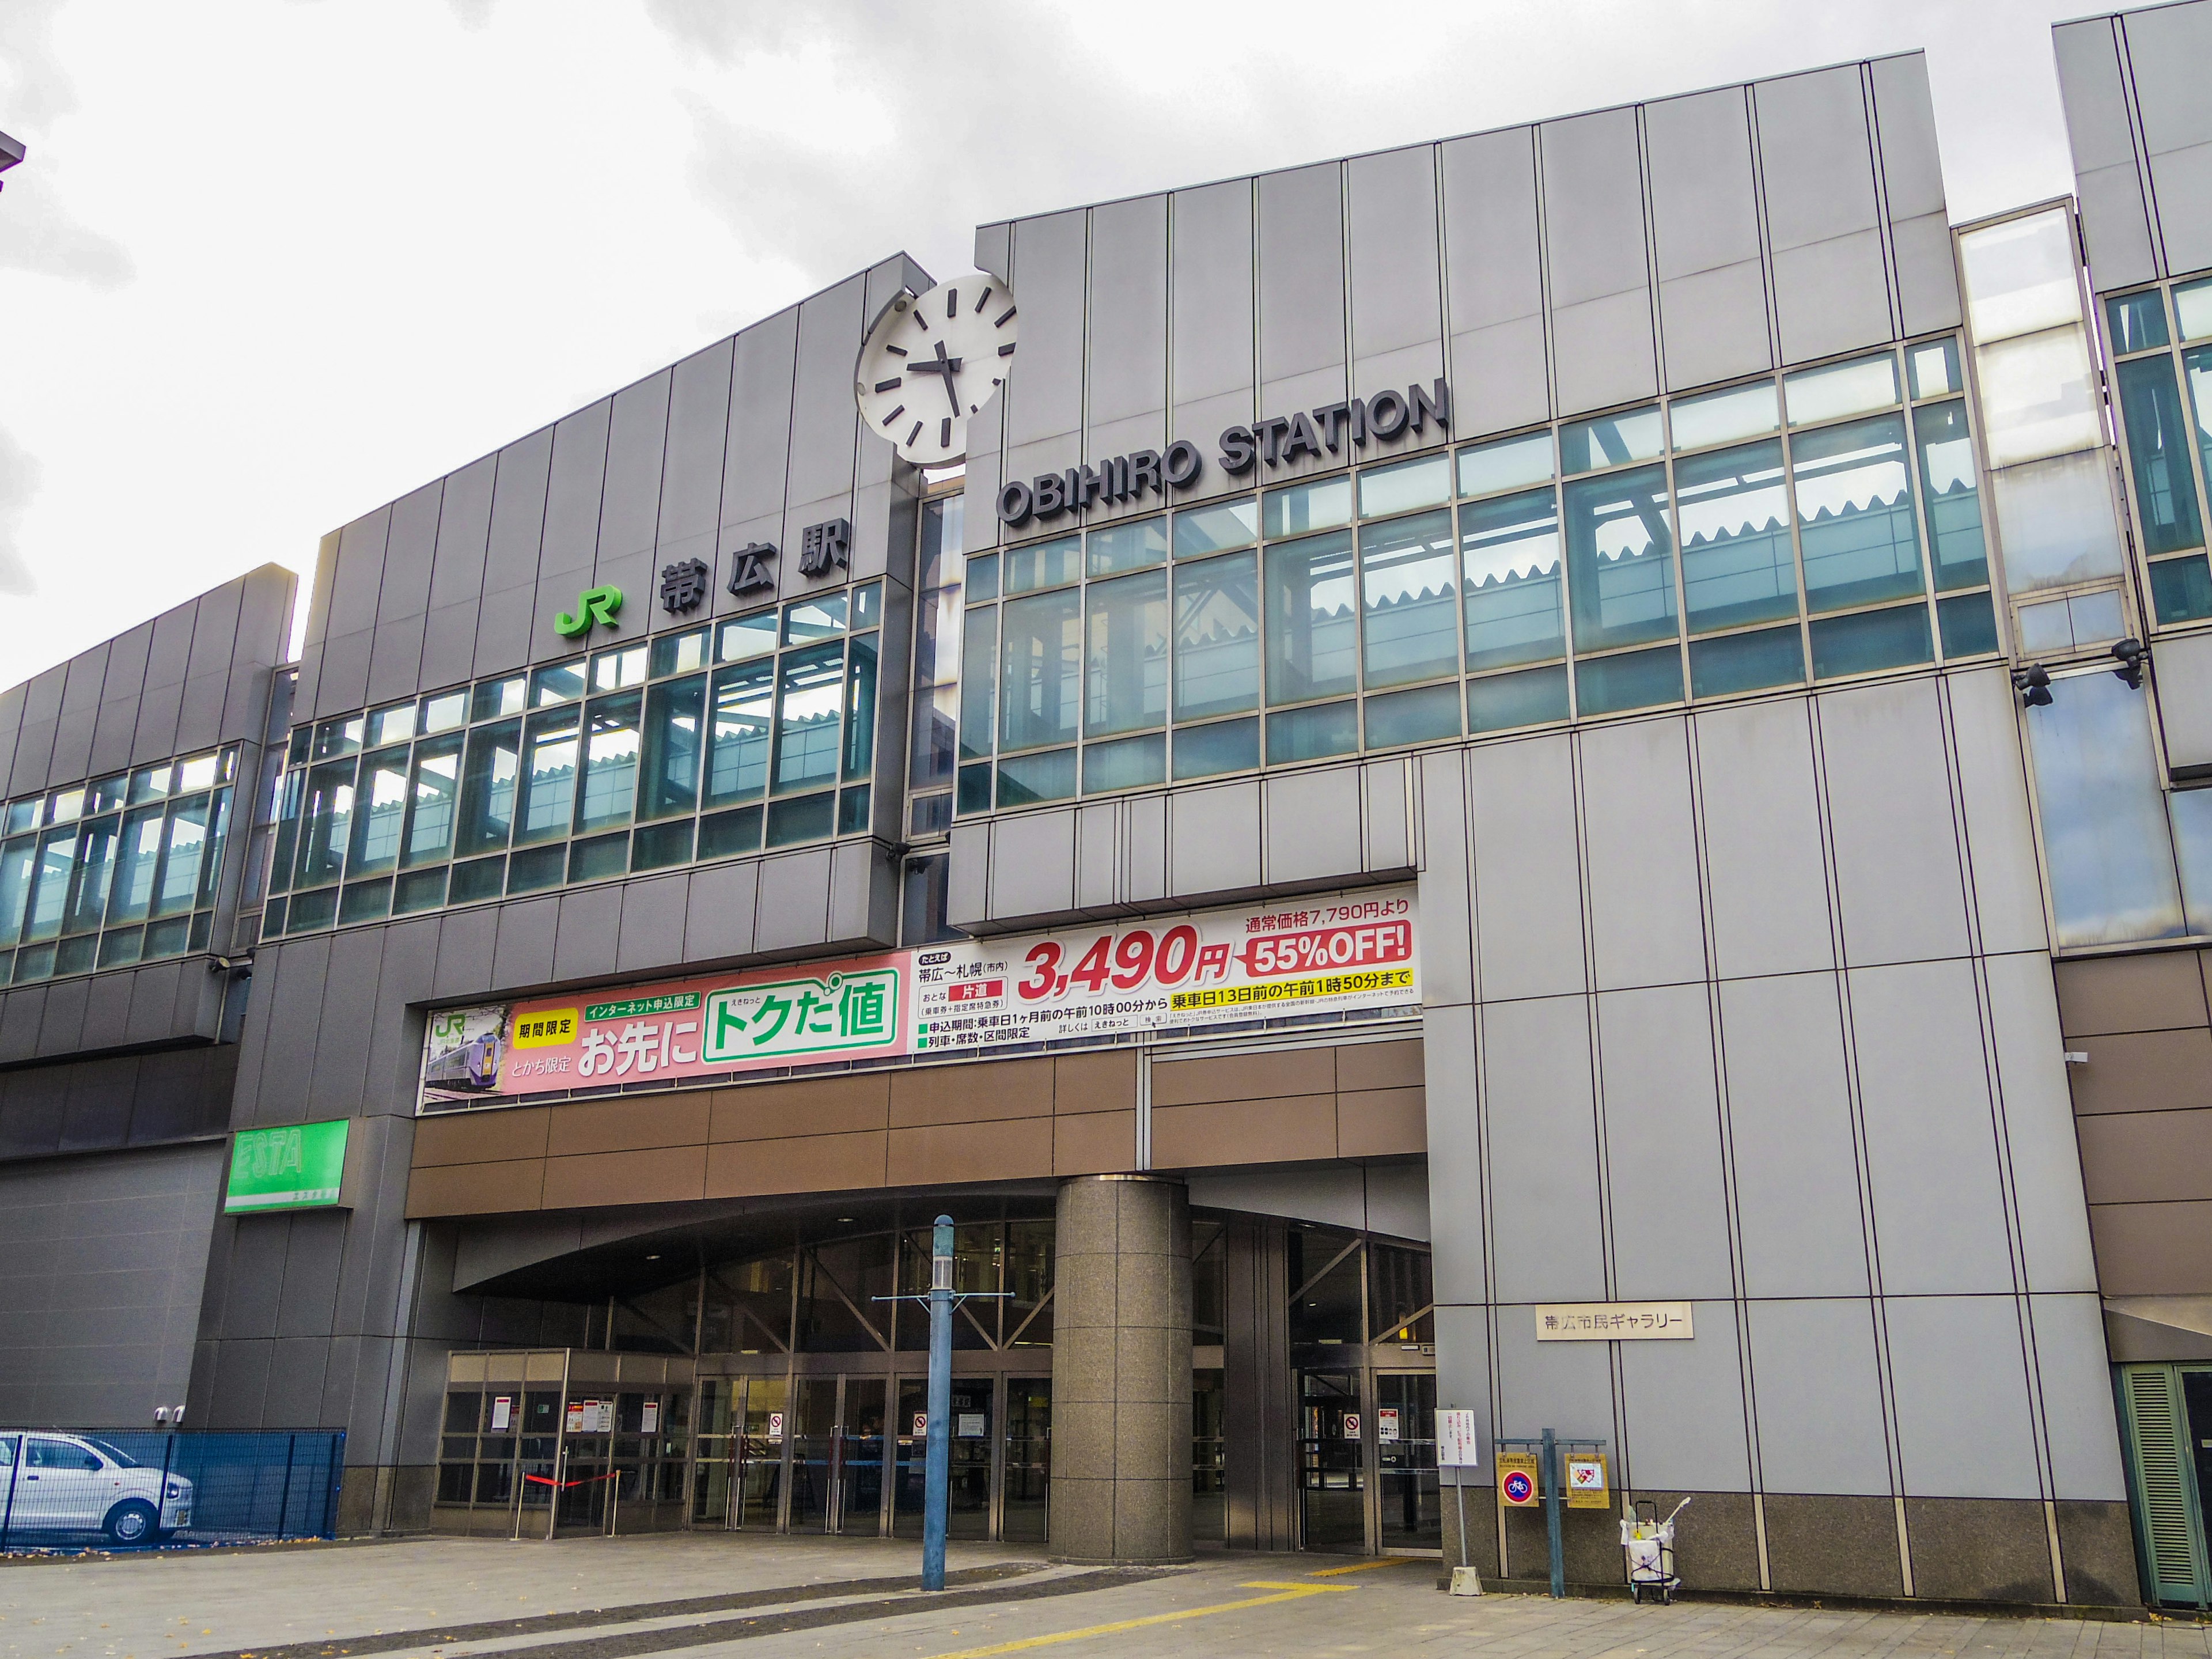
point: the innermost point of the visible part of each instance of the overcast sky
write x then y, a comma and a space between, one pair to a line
268, 265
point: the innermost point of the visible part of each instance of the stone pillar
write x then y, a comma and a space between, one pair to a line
1120, 1370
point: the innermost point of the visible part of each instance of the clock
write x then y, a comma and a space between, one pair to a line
932, 360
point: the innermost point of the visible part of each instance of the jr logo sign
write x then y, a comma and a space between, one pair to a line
593, 605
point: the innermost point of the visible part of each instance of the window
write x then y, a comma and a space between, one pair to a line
1620, 559
1738, 565
1313, 646
1854, 498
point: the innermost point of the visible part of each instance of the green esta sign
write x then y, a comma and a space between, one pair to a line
593, 605
301, 1166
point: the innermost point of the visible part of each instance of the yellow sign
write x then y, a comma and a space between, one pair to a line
1586, 1483
1518, 1485
546, 1028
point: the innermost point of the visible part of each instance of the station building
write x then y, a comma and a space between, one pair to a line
1559, 774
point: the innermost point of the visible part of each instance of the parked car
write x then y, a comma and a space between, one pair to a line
69, 1483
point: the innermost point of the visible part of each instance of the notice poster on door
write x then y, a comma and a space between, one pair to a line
502, 1412
967, 1425
920, 1424
776, 1425
574, 1418
1352, 1425
651, 1422
1386, 1424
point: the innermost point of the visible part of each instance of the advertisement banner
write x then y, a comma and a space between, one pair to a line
1209, 968
301, 1166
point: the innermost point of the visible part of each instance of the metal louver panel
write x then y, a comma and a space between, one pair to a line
2155, 1410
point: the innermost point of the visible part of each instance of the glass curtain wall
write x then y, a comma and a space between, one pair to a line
756, 731
2162, 375
1805, 526
121, 870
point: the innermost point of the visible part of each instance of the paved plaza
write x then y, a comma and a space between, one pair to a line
708, 1596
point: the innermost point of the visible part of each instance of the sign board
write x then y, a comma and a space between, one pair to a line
920, 1424
1320, 955
576, 1417
502, 1412
301, 1166
1613, 1321
1517, 1485
967, 1425
1385, 1423
1456, 1445
1585, 1480
1352, 1425
651, 1422
776, 1425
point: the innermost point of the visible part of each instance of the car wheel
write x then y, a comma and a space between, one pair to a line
130, 1522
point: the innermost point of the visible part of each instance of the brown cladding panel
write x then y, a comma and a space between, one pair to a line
2155, 993
819, 1106
1094, 1082
1245, 1077
661, 1175
801, 1163
1382, 1122
476, 1188
2142, 1071
1295, 1129
1094, 1143
1011, 1149
2153, 1250
481, 1137
2147, 1157
630, 1123
1379, 1065
971, 1094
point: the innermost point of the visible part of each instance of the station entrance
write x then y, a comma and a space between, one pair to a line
782, 1387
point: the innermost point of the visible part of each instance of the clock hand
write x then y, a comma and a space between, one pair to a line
949, 366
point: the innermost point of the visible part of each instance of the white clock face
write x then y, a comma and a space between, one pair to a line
932, 363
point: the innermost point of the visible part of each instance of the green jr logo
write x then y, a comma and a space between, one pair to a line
593, 604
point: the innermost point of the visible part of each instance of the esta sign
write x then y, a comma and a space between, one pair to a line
1272, 440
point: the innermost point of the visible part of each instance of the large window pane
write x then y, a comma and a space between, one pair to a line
1610, 441
1043, 564
211, 864
326, 819
936, 728
861, 707
1509, 463
1312, 649
1426, 482
186, 835
379, 812
811, 698
1838, 389
435, 792
1502, 701
548, 775
2104, 828
136, 859
1639, 679
1217, 662
1620, 559
1040, 670
95, 869
2158, 456
1298, 734
2020, 275
1747, 662
675, 739
1216, 529
1135, 546
1300, 508
611, 748
1737, 564
1951, 487
1125, 654
1408, 622
18, 862
937, 637
744, 709
1509, 563
1855, 513
979, 679
1868, 640
487, 782
49, 888
1719, 417
2038, 397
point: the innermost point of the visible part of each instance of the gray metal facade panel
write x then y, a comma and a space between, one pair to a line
466, 939
993, 243
650, 931
1213, 840
1766, 869
355, 584
1396, 285
574, 488
1033, 864
1705, 213
756, 448
1044, 399
339, 1074
115, 723
341, 685
1543, 1384
1128, 373
1696, 1389
2075, 1386
1312, 824
1913, 188
637, 439
583, 942
1831, 296
318, 589
792, 908
825, 425
61, 1028
1795, 1160
1939, 1208
311, 1254
2043, 1158
410, 551
691, 470
1831, 277
2108, 180
1451, 1074
1447, 938
1663, 1166
449, 645
107, 1010
408, 975
1646, 923
1527, 875
171, 648
1893, 841
266, 596
1592, 207
517, 525
395, 657
718, 918
294, 982
1946, 1349
79, 711
1300, 235
457, 567
11, 724
1545, 1206
1816, 1387
1212, 344
2000, 830
1494, 280
523, 955
864, 894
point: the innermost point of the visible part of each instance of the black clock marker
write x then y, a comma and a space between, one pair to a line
981, 297
1004, 316
1007, 350
891, 385
922, 322
945, 434
912, 435
894, 415
951, 302
895, 351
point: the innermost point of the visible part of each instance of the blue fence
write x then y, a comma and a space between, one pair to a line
71, 1490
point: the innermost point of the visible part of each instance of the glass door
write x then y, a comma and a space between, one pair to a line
1029, 1458
1332, 1462
970, 1498
813, 1451
713, 1475
1406, 1459
587, 1437
759, 1469
860, 1458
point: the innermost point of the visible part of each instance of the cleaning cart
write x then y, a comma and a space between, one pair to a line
1649, 1543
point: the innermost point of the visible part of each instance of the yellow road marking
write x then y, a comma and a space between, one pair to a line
1295, 1583
1287, 1592
1363, 1566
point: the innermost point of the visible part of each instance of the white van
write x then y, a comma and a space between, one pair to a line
67, 1483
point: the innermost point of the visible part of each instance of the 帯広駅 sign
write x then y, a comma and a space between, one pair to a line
299, 1166
1207, 968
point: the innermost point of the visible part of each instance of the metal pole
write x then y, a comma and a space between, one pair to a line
15, 1469
1459, 1485
937, 1474
284, 1497
1551, 1473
